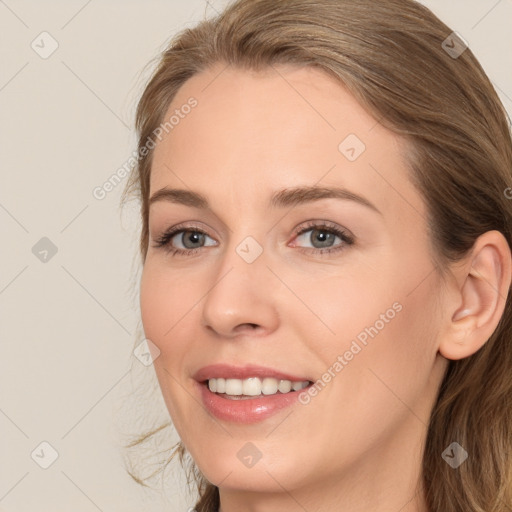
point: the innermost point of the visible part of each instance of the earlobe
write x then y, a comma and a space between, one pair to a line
483, 284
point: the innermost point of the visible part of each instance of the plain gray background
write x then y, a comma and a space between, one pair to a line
68, 325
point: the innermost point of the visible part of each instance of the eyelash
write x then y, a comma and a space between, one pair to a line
164, 240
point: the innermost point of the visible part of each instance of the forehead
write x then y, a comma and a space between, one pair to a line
251, 133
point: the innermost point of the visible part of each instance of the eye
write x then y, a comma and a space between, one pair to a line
188, 240
322, 236
179, 240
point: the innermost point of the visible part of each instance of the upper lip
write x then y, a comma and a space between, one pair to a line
215, 371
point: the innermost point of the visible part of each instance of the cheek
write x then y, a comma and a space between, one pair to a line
400, 358
386, 334
162, 302
163, 305
346, 311
153, 303
383, 382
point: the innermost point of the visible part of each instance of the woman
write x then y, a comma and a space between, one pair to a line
326, 258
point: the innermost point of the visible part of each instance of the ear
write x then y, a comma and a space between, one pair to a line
477, 296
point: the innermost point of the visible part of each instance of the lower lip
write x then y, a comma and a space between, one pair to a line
251, 410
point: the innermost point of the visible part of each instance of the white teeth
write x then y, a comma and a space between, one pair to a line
233, 386
297, 386
254, 386
221, 385
284, 386
269, 386
251, 386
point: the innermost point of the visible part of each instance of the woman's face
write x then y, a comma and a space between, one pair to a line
283, 284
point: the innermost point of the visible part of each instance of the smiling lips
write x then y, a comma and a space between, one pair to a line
247, 394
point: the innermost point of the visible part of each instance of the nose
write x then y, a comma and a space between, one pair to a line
240, 300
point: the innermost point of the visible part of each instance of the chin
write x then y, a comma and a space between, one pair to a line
255, 479
229, 466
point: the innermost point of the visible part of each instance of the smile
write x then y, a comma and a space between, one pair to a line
247, 394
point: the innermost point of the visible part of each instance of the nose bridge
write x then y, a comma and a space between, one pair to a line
239, 292
247, 234
245, 249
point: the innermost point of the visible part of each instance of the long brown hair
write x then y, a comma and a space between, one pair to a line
394, 57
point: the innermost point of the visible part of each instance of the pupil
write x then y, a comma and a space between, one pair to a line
324, 236
196, 236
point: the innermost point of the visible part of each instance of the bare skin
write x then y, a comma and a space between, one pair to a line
357, 445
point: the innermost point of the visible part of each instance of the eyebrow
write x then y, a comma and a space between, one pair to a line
281, 199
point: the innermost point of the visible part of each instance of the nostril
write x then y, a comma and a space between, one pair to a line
248, 325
